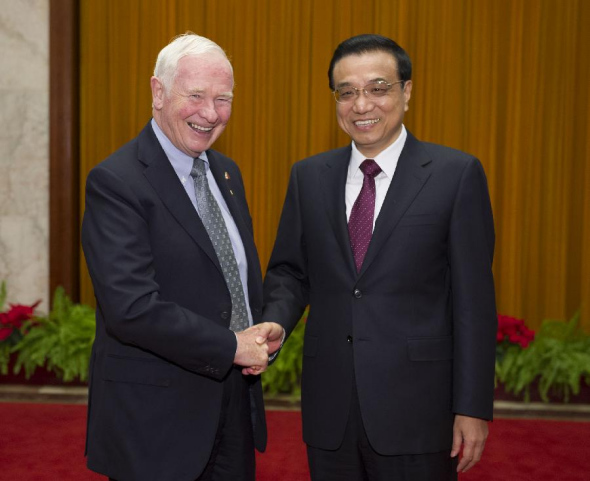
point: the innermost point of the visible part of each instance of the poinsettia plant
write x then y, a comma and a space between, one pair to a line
511, 338
513, 332
59, 341
556, 359
11, 326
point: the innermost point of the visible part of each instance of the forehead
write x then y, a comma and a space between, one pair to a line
365, 67
204, 71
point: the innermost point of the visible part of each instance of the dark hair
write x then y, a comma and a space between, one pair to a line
372, 43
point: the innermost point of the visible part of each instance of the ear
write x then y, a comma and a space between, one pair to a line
407, 95
158, 93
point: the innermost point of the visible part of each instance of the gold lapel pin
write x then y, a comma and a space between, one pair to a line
231, 192
226, 176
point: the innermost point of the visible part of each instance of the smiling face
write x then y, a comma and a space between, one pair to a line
195, 110
373, 124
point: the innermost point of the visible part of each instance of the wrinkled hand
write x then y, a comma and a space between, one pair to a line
252, 349
270, 334
472, 434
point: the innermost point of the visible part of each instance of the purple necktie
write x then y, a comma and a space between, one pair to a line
360, 223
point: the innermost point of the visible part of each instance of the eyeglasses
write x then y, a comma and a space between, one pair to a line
375, 90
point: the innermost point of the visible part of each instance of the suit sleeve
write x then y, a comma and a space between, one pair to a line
115, 239
471, 245
286, 284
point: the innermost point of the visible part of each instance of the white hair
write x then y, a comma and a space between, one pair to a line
181, 46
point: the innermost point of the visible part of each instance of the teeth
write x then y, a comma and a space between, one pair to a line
361, 123
201, 129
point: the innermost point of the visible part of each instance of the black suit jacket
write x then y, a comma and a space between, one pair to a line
416, 327
163, 345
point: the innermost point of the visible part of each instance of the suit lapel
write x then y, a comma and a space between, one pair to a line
160, 174
333, 181
224, 184
410, 176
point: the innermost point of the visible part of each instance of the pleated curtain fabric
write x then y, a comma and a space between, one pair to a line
484, 81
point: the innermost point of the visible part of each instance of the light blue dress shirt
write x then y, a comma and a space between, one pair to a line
182, 164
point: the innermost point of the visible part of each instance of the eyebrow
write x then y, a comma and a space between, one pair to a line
202, 91
347, 84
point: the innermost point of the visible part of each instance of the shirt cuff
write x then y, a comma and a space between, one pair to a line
273, 356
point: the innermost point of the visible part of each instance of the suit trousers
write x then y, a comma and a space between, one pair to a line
232, 457
356, 460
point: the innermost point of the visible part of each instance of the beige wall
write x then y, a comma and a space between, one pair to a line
24, 149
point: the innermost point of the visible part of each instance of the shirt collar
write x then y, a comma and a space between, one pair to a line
181, 162
386, 159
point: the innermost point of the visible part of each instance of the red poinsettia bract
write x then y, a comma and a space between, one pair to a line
514, 331
14, 318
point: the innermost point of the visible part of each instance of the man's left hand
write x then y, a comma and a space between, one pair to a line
472, 434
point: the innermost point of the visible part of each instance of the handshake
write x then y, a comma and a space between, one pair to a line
256, 344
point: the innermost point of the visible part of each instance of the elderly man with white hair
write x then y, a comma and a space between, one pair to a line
167, 237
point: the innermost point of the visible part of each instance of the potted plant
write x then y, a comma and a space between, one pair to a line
46, 349
557, 362
60, 342
11, 323
283, 376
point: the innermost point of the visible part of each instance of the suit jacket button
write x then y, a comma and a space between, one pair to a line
357, 293
349, 339
225, 315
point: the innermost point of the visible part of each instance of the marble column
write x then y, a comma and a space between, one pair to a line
24, 150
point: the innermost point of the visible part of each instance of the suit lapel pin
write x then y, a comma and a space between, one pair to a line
226, 175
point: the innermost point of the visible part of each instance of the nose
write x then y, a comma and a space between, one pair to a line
208, 111
362, 103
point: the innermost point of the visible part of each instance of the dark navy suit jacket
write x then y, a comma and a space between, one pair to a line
163, 345
416, 328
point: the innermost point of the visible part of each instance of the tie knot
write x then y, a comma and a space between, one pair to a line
198, 169
370, 168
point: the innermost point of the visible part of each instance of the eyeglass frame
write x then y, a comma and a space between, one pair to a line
358, 90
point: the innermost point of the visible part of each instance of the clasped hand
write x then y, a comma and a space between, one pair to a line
255, 344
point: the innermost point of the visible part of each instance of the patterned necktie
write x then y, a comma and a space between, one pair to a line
215, 226
360, 223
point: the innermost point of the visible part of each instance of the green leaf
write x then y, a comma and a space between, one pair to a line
61, 341
283, 376
4, 357
558, 360
2, 295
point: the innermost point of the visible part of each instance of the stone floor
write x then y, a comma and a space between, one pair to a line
503, 409
43, 394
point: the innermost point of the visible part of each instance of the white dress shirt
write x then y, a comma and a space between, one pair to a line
387, 160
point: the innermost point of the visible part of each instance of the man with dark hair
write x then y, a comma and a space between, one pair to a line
390, 241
